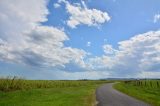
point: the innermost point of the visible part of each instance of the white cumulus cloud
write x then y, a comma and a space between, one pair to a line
19, 16
136, 56
81, 14
24, 40
108, 49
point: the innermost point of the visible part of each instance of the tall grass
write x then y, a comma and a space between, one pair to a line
15, 83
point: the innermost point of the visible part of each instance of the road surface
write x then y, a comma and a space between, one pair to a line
107, 96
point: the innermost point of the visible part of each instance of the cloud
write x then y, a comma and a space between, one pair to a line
84, 75
143, 49
48, 43
19, 16
108, 49
81, 14
149, 75
24, 40
44, 47
156, 18
56, 5
88, 44
140, 54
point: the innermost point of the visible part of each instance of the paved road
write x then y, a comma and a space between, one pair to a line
107, 96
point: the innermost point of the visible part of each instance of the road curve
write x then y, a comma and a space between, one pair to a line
107, 96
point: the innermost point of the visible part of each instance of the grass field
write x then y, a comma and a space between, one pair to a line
19, 92
146, 90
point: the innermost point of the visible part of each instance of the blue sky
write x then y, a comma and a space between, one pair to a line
60, 39
128, 19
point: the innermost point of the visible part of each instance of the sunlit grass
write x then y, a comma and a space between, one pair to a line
12, 84
146, 90
20, 92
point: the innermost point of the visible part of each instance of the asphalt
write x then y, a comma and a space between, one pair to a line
106, 95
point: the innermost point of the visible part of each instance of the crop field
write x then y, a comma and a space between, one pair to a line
19, 92
146, 90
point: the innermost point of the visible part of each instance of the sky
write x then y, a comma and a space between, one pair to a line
80, 39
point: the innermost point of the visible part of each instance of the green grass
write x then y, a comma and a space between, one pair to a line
145, 92
70, 96
19, 92
12, 84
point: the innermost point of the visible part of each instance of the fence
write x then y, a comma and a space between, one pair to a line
145, 83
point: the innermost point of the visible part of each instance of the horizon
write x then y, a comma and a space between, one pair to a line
86, 39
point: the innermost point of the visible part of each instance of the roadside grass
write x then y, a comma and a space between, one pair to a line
70, 96
20, 92
14, 83
147, 92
